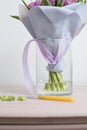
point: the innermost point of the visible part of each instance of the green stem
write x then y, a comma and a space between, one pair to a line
61, 82
48, 2
55, 82
61, 3
56, 2
52, 81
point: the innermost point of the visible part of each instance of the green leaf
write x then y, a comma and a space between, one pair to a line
16, 17
25, 4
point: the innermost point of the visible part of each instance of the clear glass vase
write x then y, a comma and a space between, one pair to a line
53, 83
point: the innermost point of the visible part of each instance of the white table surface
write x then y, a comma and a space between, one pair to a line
42, 109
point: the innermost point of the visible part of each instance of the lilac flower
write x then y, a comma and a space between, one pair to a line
67, 2
36, 3
52, 2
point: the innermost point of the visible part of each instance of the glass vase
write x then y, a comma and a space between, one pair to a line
53, 83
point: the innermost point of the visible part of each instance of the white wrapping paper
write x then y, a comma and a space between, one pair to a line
50, 24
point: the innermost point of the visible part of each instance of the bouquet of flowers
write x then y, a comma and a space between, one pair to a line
53, 24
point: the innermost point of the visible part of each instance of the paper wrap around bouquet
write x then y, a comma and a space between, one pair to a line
55, 27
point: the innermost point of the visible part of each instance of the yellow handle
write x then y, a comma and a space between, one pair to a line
57, 98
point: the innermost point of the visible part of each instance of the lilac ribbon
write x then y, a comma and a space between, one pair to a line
49, 57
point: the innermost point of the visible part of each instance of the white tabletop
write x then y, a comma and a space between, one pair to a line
42, 108
35, 108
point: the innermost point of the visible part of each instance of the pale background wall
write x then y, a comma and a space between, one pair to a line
13, 37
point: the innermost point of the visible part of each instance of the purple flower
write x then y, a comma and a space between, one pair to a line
52, 2
36, 3
67, 2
